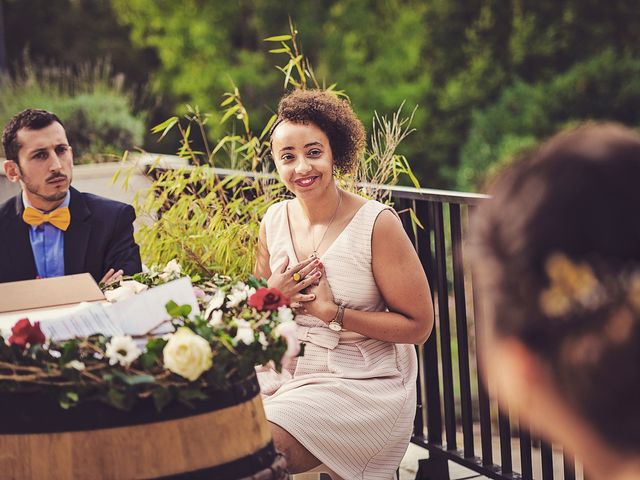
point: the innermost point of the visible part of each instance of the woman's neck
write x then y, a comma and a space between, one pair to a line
320, 210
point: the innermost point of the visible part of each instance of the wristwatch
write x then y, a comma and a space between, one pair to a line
336, 323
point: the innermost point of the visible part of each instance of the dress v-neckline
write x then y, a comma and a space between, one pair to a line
321, 256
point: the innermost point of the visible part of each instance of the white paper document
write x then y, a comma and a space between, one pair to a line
82, 322
145, 311
142, 314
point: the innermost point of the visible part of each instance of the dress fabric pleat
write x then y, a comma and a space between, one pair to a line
350, 400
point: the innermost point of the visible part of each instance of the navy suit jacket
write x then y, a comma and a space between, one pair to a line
99, 237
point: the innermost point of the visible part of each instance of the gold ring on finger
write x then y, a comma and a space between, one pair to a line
296, 277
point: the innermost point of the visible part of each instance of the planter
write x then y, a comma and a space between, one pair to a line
225, 437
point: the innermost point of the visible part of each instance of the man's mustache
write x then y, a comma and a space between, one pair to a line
55, 176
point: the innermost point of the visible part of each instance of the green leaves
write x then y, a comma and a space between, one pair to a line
178, 311
165, 127
68, 399
187, 395
279, 38
230, 111
69, 352
162, 397
153, 355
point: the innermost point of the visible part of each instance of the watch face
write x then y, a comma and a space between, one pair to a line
335, 326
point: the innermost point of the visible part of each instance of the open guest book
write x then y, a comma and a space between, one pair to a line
80, 309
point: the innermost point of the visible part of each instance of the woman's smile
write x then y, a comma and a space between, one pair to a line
305, 182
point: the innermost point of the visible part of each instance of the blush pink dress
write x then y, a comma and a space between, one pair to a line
350, 400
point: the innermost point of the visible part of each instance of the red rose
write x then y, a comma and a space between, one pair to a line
24, 332
268, 299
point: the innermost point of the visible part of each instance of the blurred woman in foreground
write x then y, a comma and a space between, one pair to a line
557, 252
363, 299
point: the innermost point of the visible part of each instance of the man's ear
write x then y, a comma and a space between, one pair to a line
12, 170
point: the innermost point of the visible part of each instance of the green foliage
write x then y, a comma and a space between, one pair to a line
605, 87
201, 45
96, 111
450, 57
210, 224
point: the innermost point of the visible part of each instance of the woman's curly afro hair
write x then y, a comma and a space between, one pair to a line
333, 116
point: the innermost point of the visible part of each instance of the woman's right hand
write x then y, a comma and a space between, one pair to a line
310, 271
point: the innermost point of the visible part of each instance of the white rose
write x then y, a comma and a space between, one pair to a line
216, 318
187, 354
285, 314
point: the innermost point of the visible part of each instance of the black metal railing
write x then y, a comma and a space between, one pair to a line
455, 419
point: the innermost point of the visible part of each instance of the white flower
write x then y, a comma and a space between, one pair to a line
235, 298
172, 270
187, 354
239, 293
262, 339
127, 289
285, 314
289, 331
245, 332
122, 350
215, 303
216, 318
76, 364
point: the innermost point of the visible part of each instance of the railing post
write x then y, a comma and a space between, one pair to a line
436, 467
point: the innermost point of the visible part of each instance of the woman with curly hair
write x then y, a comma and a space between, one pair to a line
362, 295
557, 257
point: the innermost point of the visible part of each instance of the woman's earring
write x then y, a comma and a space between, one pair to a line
335, 170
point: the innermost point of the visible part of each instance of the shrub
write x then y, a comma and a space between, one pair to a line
94, 107
606, 87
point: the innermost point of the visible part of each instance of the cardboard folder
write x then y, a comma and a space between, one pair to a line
54, 292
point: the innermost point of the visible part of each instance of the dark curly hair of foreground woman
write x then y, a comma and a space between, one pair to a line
334, 116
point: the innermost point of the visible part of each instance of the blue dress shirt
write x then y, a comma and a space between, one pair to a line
47, 243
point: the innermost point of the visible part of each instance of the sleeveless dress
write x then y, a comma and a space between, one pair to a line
350, 400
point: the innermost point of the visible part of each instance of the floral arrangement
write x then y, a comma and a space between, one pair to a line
243, 324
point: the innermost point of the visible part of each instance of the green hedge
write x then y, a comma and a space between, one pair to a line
606, 87
97, 113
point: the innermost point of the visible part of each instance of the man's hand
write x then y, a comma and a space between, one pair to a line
111, 277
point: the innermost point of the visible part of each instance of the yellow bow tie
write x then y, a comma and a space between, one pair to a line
59, 218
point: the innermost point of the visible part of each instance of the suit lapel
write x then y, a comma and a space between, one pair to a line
19, 250
76, 238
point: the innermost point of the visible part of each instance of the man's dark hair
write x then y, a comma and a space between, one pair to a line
31, 119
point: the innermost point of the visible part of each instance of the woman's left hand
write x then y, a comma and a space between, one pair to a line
324, 306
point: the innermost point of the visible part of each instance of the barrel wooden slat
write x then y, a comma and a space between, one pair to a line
146, 450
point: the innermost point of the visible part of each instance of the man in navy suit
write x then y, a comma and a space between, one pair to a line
51, 229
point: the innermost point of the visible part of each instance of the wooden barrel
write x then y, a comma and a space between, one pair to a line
224, 437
